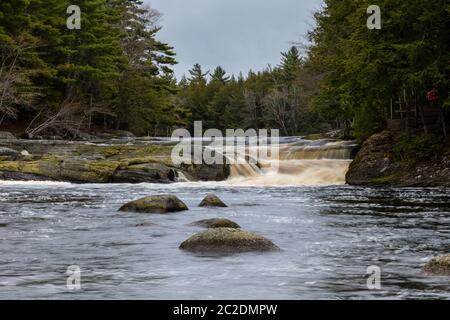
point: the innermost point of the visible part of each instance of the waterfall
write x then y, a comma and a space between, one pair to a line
302, 162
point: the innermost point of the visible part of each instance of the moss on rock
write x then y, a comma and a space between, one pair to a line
45, 167
382, 162
227, 240
82, 170
155, 204
98, 163
438, 266
216, 223
212, 200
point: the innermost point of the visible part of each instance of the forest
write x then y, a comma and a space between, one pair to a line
114, 74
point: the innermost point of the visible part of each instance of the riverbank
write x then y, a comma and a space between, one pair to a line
125, 160
128, 159
380, 163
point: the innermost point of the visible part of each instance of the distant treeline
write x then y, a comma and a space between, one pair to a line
113, 73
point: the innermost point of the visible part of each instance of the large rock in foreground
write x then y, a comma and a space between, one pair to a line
216, 223
212, 200
373, 161
155, 204
438, 266
227, 240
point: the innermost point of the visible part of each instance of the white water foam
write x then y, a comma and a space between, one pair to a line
303, 163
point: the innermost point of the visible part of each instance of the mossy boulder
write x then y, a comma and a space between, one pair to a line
216, 223
155, 204
227, 240
212, 200
438, 266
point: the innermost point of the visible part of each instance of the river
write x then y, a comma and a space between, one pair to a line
329, 233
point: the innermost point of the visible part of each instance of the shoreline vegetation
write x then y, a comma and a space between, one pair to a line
382, 160
386, 88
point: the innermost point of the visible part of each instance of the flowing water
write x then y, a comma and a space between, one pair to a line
330, 234
298, 163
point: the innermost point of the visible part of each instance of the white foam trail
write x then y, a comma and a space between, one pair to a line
181, 177
33, 183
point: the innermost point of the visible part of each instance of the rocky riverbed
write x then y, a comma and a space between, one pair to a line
127, 159
130, 160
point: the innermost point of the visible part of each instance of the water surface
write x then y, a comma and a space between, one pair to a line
330, 235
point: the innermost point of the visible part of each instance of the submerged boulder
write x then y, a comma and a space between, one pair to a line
227, 240
155, 204
212, 200
145, 225
216, 223
438, 266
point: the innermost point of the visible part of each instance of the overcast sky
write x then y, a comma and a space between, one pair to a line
239, 35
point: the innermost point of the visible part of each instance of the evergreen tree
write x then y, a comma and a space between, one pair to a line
220, 75
197, 75
291, 63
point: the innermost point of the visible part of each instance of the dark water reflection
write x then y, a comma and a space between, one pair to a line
329, 237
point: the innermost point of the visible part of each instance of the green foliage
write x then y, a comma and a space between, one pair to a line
290, 66
362, 69
418, 147
278, 98
113, 72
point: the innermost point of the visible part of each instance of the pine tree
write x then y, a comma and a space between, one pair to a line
197, 75
220, 75
291, 63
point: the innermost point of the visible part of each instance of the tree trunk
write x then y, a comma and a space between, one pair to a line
444, 125
408, 111
422, 117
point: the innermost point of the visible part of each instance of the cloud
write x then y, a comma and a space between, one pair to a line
239, 35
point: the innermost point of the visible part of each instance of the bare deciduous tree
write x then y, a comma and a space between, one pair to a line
16, 88
69, 116
283, 105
